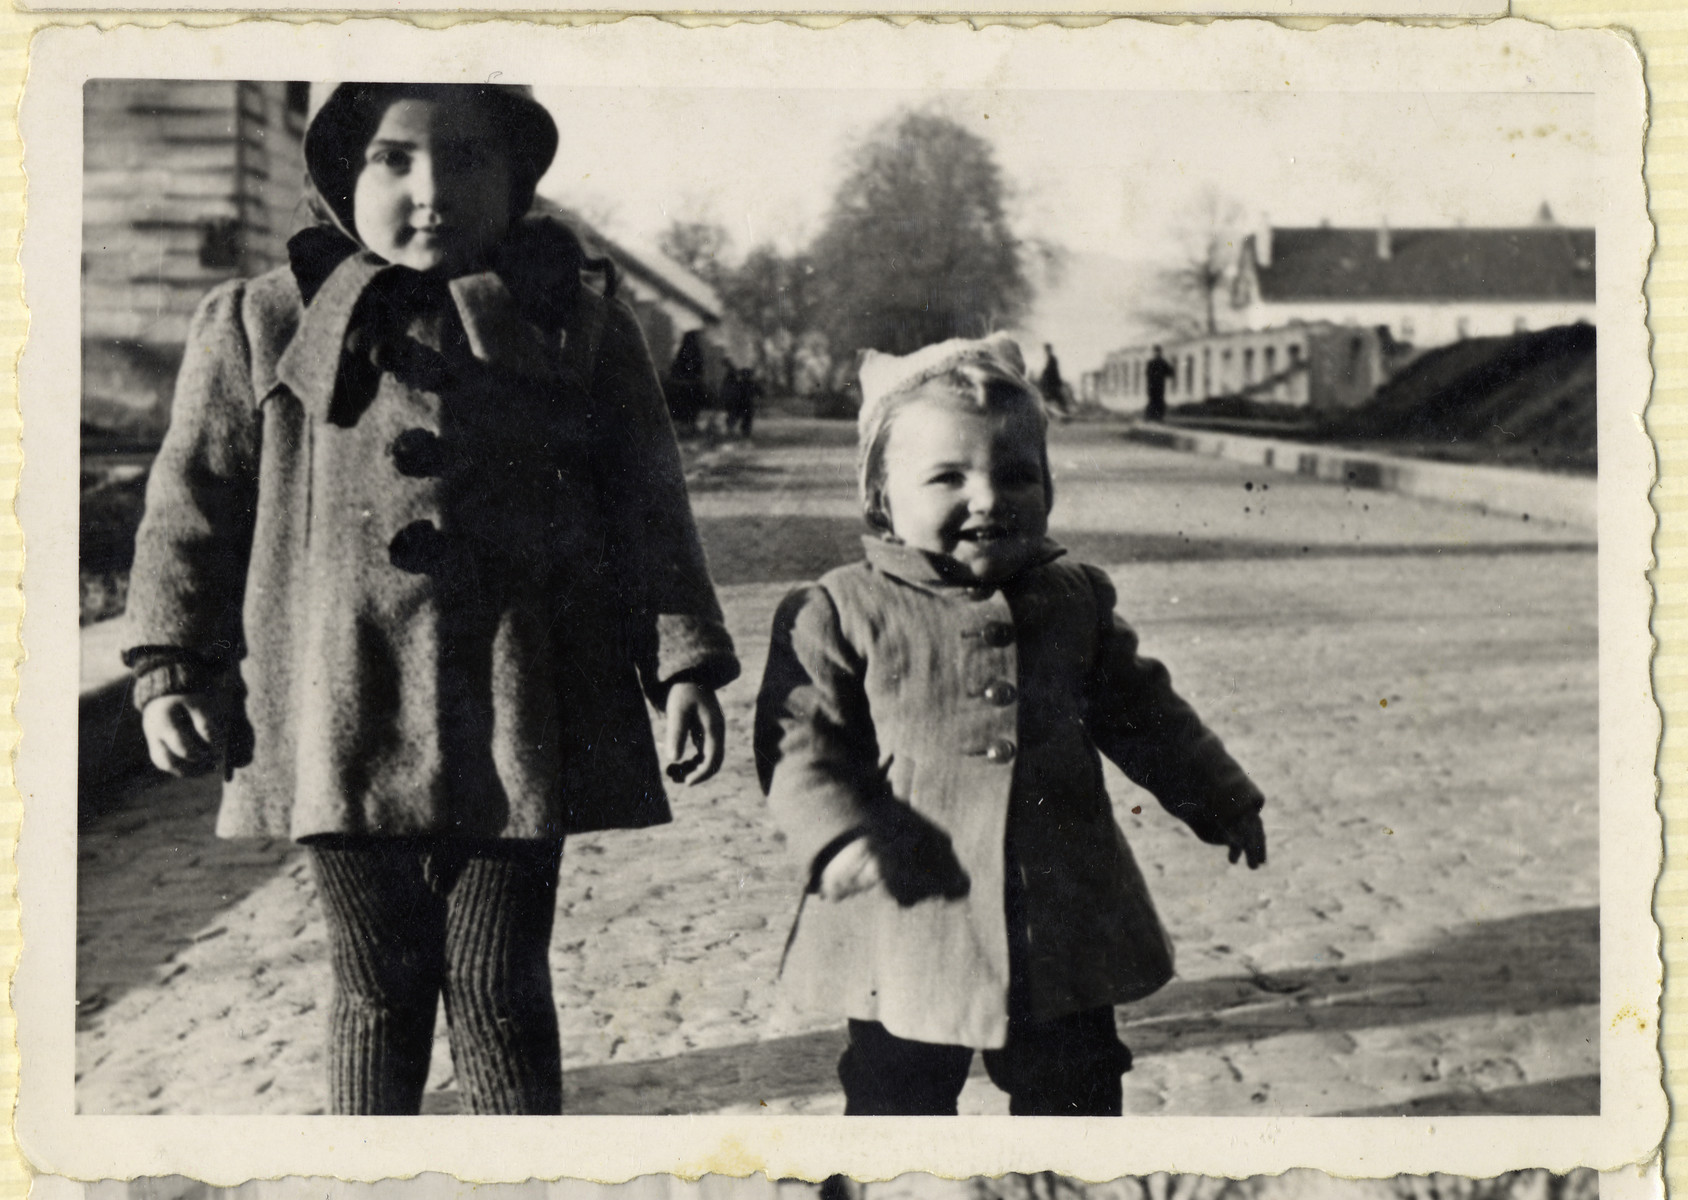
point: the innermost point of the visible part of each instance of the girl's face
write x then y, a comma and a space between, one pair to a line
968, 483
434, 192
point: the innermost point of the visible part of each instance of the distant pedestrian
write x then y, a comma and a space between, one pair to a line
928, 733
1157, 373
686, 390
739, 391
1050, 383
391, 466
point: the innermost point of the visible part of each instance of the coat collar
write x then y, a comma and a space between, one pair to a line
310, 365
495, 321
936, 571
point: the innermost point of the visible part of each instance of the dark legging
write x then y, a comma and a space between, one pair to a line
411, 918
1067, 1067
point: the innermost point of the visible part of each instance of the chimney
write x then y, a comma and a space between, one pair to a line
1385, 243
1263, 241
1544, 214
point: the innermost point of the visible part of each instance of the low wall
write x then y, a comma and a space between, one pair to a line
1565, 499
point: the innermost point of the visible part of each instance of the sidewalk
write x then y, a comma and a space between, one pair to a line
1534, 495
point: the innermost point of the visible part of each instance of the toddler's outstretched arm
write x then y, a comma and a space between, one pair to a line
1156, 738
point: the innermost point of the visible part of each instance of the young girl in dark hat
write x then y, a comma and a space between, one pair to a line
416, 553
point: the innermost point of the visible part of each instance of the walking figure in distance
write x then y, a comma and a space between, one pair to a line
739, 390
687, 389
1157, 373
928, 733
416, 552
1054, 388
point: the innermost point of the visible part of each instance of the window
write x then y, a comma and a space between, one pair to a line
299, 98
1189, 380
1294, 355
1207, 371
1248, 365
1271, 360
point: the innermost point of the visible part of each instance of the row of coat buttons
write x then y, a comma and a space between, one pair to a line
996, 634
419, 548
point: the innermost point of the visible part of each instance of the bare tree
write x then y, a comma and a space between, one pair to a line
698, 246
1185, 299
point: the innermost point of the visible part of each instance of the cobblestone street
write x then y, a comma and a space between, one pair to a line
1413, 686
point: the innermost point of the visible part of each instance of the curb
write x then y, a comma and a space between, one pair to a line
1533, 495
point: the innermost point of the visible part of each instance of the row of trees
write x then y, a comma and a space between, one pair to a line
917, 247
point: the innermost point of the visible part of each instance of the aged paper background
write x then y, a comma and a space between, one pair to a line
1467, 9
1559, 1147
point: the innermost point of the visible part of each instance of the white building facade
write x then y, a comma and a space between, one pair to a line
1427, 287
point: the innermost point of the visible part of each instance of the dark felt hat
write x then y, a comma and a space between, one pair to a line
344, 116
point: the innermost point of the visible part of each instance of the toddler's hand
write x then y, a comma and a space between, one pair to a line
1248, 838
182, 733
853, 869
693, 718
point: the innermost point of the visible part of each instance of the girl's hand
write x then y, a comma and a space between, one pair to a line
182, 733
693, 718
1248, 838
853, 869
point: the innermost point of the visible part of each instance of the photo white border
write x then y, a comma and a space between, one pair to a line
643, 52
1381, 9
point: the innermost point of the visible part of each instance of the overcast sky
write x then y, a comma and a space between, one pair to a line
1111, 176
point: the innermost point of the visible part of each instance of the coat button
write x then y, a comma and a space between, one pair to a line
419, 548
980, 592
1000, 751
419, 453
1001, 693
998, 634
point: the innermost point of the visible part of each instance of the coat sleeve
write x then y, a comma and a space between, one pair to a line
816, 755
195, 536
676, 629
1155, 737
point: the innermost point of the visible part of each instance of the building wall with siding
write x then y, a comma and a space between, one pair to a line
186, 183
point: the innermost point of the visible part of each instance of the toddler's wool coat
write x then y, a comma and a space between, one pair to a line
435, 536
983, 708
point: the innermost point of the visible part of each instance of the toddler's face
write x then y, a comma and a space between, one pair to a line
434, 192
968, 483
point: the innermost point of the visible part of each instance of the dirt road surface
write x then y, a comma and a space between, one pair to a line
1414, 687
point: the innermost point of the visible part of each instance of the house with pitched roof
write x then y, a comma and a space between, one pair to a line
1426, 286
1319, 317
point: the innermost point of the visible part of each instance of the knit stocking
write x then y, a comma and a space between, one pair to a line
498, 980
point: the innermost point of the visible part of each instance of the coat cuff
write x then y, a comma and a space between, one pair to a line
167, 671
692, 650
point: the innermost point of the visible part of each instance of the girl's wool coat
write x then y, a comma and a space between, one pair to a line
955, 720
431, 539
